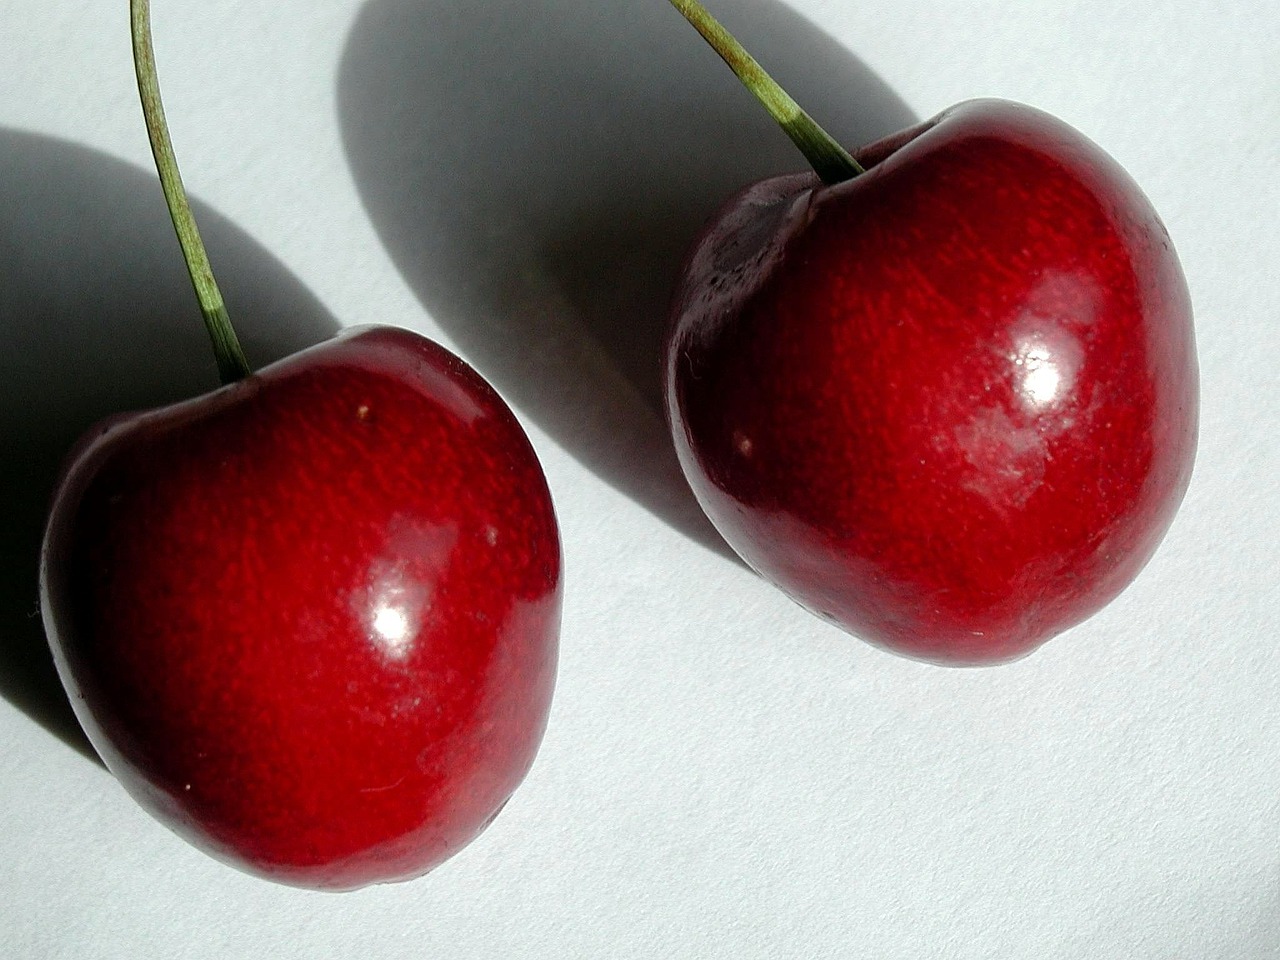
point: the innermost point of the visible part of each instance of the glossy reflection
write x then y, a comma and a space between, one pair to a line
394, 607
1042, 381
1048, 347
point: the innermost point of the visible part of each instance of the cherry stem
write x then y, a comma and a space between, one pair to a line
830, 161
232, 365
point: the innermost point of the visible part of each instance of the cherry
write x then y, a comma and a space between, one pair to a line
308, 620
945, 393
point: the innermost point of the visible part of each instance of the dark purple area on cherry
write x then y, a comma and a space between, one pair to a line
951, 404
538, 173
98, 318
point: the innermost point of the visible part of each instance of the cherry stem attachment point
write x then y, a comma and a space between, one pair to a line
830, 161
232, 365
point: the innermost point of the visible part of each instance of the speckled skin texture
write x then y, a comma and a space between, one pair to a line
951, 404
310, 620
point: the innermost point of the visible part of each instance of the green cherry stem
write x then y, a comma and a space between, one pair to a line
232, 365
832, 162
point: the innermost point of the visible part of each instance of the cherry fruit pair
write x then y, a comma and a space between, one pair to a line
943, 392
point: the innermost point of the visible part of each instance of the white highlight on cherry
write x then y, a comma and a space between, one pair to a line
391, 625
1041, 376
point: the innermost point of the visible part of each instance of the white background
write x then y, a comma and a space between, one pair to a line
724, 775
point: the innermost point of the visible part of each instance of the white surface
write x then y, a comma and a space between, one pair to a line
724, 776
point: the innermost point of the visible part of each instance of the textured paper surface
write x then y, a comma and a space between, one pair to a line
723, 775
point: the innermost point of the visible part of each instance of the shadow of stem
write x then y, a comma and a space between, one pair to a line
537, 172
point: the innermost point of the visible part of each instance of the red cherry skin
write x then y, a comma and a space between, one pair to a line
310, 620
951, 404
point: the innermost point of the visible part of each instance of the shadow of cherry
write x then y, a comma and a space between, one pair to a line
536, 171
98, 317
